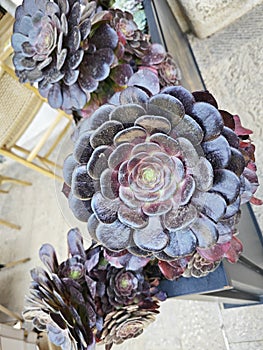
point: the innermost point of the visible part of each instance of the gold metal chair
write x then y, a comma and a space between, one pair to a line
19, 106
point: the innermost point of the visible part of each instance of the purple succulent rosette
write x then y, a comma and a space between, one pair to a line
158, 176
54, 48
61, 302
79, 55
85, 300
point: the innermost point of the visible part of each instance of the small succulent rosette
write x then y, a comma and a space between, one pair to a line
85, 300
162, 177
79, 55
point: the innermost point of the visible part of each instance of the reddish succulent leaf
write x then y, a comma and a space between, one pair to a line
215, 252
170, 272
234, 251
239, 129
205, 96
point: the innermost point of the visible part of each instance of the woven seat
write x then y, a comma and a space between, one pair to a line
19, 107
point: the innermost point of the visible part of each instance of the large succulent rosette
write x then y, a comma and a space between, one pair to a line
160, 177
65, 47
79, 55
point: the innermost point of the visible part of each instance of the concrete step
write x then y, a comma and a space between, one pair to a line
205, 17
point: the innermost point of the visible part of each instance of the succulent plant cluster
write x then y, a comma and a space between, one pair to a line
162, 177
85, 300
79, 54
158, 173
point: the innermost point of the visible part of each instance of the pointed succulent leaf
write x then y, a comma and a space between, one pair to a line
75, 243
48, 256
85, 27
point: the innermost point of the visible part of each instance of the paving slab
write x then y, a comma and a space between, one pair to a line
243, 324
230, 62
246, 346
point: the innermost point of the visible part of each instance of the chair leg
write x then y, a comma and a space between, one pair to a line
10, 313
14, 263
4, 179
30, 165
9, 224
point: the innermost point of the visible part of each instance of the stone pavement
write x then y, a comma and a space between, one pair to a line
230, 62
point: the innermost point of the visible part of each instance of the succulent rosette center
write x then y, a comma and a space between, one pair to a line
46, 40
159, 176
126, 282
131, 329
147, 179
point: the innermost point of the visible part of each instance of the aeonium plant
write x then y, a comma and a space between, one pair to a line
79, 55
84, 300
162, 177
